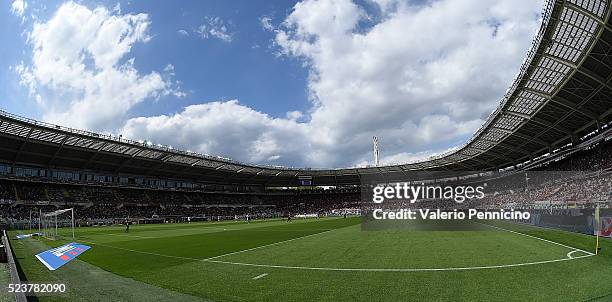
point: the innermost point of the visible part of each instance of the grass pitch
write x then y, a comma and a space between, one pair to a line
5, 278
326, 259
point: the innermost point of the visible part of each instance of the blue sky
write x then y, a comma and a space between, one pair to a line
294, 83
210, 69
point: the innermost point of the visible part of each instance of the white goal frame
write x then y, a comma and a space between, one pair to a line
50, 224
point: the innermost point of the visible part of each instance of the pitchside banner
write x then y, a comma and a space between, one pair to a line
606, 227
23, 236
55, 258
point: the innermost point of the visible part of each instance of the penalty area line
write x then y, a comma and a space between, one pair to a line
141, 252
205, 259
267, 245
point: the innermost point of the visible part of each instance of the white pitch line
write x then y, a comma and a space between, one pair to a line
206, 259
569, 255
545, 240
126, 235
398, 269
255, 229
141, 252
349, 269
267, 245
260, 276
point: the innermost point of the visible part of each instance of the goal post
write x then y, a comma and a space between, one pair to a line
52, 222
597, 227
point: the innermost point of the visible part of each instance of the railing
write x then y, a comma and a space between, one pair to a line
19, 296
144, 144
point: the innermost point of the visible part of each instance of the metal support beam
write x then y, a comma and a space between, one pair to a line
563, 102
23, 143
550, 125
127, 161
57, 152
538, 141
93, 156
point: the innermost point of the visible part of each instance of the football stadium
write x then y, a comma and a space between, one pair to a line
520, 210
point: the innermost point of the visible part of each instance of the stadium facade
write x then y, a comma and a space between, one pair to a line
559, 103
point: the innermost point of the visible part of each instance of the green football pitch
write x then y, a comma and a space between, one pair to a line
328, 259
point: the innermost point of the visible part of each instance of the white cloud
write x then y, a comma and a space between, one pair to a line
294, 115
183, 32
26, 78
421, 78
214, 28
18, 7
169, 69
225, 128
407, 157
266, 23
79, 64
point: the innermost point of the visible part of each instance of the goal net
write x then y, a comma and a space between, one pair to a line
58, 223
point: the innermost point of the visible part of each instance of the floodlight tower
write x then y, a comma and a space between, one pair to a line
376, 151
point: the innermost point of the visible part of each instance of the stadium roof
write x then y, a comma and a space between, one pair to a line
562, 92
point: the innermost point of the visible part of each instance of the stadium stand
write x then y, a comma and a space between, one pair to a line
104, 203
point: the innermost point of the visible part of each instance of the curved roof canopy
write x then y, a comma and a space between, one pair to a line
562, 92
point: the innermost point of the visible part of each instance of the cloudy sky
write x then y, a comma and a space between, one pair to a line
294, 83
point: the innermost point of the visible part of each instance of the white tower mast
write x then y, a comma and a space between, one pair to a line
376, 152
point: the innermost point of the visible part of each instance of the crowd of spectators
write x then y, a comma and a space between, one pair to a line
570, 192
20, 198
593, 158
